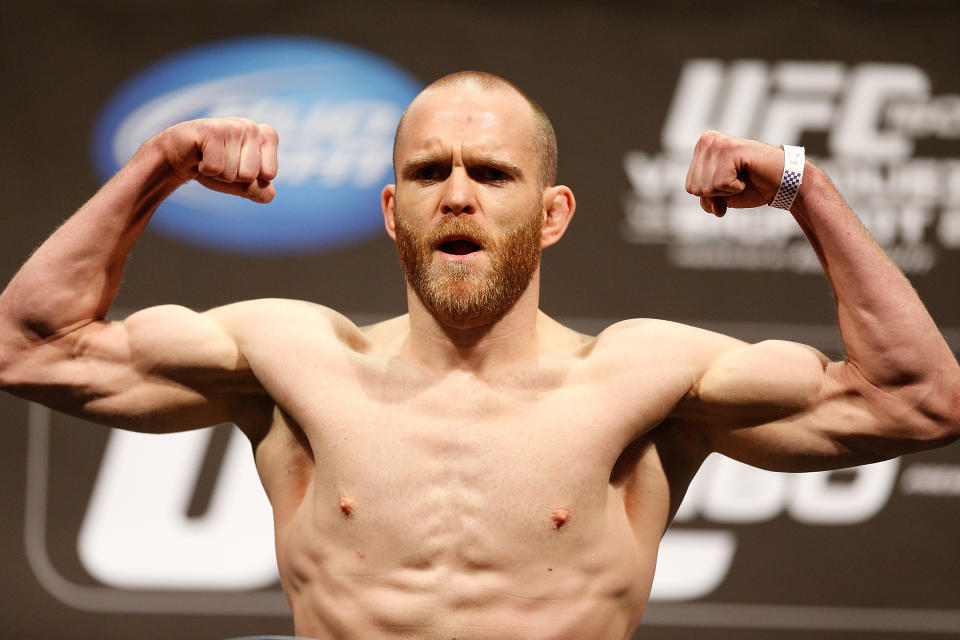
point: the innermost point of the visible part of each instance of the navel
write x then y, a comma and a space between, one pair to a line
347, 505
561, 516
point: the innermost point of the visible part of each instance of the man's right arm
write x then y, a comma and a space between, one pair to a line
162, 368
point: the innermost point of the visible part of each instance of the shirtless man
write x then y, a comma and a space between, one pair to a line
473, 469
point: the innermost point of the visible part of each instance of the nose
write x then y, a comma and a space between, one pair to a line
458, 195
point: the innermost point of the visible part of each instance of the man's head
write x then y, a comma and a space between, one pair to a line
474, 202
543, 138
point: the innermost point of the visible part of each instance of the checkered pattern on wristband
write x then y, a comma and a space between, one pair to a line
789, 185
793, 159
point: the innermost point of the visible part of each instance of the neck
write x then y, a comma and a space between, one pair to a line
508, 339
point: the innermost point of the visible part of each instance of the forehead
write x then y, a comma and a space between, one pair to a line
467, 118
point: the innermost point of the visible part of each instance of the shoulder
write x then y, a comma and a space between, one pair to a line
652, 333
682, 349
266, 307
255, 320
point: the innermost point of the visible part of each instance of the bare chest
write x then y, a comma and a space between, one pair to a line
464, 442
407, 445
427, 481
454, 492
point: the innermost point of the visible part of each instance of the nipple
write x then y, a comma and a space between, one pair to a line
561, 516
347, 505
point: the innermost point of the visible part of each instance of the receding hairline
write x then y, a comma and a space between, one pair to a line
544, 137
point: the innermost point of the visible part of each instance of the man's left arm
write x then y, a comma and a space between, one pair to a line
784, 406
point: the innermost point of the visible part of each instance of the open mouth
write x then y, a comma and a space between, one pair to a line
459, 247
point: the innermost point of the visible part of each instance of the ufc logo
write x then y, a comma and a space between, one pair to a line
866, 110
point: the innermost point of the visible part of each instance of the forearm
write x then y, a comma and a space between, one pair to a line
887, 332
73, 277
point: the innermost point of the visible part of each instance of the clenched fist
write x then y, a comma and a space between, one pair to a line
231, 155
733, 172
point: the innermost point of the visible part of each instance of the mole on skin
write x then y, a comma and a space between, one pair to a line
347, 505
561, 515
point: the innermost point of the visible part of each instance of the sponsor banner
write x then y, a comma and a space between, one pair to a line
334, 106
865, 124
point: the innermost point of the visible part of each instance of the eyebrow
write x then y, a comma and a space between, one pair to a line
500, 165
411, 166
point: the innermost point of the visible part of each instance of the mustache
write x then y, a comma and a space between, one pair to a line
459, 226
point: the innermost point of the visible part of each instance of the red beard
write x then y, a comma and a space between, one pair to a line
464, 295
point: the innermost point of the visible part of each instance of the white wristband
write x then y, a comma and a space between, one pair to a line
792, 177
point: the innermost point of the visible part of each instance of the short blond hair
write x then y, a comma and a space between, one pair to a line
544, 137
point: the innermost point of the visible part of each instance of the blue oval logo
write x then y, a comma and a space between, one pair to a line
335, 107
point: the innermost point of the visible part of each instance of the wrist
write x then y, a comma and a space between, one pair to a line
813, 180
152, 160
791, 178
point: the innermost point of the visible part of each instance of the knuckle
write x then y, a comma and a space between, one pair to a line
717, 142
210, 167
231, 128
268, 173
214, 128
269, 134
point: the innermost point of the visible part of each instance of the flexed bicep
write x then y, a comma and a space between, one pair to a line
784, 406
753, 402
162, 369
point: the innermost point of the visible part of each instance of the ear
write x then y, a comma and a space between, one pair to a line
559, 205
388, 203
